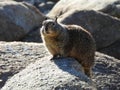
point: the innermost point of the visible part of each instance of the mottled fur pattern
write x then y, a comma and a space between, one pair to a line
69, 41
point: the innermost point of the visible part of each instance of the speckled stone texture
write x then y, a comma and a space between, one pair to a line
59, 74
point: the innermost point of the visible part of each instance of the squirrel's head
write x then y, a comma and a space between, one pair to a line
50, 27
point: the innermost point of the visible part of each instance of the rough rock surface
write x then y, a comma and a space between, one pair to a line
31, 1
111, 7
45, 7
37, 2
17, 19
58, 74
33, 36
112, 50
106, 72
15, 56
46, 75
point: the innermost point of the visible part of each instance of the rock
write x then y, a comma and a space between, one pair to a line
33, 2
100, 25
111, 7
5, 0
45, 7
112, 50
61, 74
106, 72
18, 19
54, 0
29, 1
15, 56
36, 1
46, 75
33, 36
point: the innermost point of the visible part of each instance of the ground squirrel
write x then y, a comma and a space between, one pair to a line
69, 41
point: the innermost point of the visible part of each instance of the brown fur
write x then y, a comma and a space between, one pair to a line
69, 41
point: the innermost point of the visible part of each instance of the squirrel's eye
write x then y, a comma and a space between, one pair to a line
46, 18
52, 24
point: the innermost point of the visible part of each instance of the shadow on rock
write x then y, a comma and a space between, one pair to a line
4, 78
71, 66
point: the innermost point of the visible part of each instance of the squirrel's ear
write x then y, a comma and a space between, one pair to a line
46, 18
56, 19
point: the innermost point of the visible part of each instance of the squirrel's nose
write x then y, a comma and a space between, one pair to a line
51, 23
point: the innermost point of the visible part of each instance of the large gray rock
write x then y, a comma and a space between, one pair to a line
15, 56
33, 2
112, 50
106, 72
46, 75
45, 7
58, 74
111, 7
33, 36
17, 19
